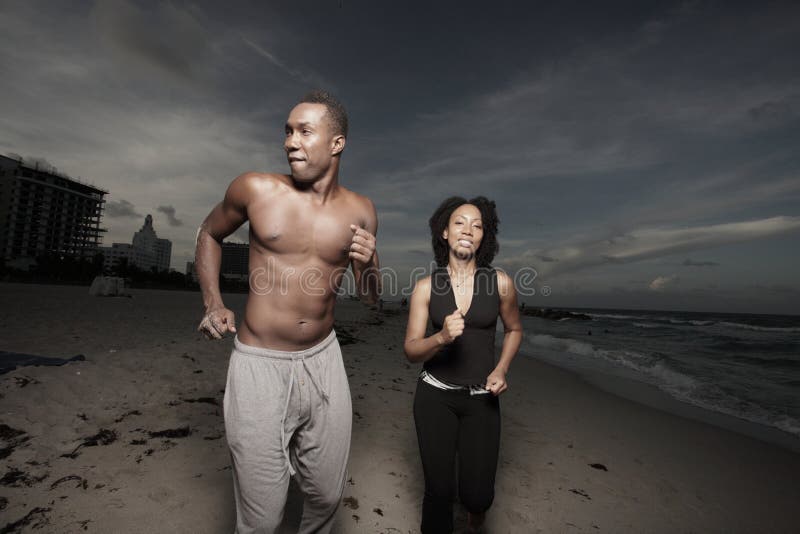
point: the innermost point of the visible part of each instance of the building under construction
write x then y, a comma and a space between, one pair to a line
43, 212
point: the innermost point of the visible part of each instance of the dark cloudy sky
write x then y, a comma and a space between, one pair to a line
642, 154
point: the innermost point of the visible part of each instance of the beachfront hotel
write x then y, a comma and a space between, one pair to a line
147, 251
45, 212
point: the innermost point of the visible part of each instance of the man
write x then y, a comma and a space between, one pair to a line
287, 400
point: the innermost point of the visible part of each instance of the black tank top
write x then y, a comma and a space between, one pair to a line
470, 357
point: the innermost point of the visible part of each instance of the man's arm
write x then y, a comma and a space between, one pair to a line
223, 220
364, 257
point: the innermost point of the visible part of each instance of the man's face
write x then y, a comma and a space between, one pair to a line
464, 232
310, 143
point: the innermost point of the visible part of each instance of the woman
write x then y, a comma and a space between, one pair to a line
456, 406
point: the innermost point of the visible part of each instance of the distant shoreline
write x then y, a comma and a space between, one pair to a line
396, 300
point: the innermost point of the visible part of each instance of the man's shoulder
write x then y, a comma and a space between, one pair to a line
251, 185
262, 179
359, 204
358, 199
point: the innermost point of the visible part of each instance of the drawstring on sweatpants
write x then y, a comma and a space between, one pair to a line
322, 392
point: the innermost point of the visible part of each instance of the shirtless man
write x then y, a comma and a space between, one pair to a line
287, 400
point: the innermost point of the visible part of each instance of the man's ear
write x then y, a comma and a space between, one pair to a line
338, 145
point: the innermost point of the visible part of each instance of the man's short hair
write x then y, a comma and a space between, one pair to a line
336, 112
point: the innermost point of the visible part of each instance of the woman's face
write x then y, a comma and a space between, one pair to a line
464, 232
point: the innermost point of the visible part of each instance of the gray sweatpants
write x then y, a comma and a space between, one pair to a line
287, 414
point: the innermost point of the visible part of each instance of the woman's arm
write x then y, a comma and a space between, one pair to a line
509, 313
417, 347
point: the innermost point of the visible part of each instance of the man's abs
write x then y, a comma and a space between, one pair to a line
288, 321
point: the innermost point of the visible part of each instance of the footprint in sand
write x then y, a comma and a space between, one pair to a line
160, 495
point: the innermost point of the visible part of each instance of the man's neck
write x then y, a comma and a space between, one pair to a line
321, 189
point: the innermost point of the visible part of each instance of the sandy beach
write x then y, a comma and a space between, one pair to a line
131, 440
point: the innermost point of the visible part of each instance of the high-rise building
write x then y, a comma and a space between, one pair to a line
147, 240
191, 272
235, 260
45, 212
147, 251
234, 265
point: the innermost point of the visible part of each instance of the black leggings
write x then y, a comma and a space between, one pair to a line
449, 422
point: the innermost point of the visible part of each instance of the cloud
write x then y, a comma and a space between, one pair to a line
546, 258
602, 109
597, 136
167, 38
310, 78
626, 137
134, 111
120, 209
169, 211
773, 110
693, 263
780, 289
649, 243
660, 283
39, 163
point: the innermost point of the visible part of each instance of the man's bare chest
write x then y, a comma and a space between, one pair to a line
306, 233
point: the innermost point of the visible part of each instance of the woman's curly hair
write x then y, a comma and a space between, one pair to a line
441, 217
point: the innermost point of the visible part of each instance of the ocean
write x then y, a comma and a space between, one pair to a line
743, 366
